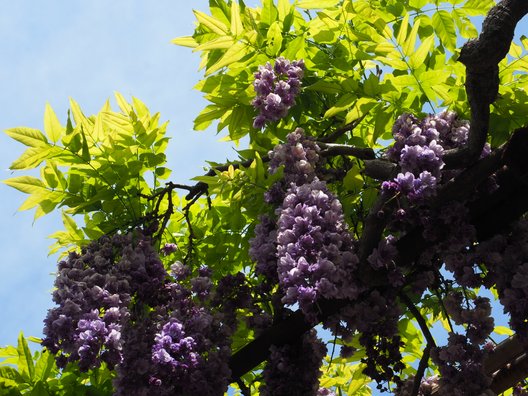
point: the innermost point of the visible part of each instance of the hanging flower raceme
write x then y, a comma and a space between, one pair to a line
276, 87
93, 293
418, 150
315, 250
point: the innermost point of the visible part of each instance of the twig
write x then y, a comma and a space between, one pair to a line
243, 388
422, 366
419, 318
342, 130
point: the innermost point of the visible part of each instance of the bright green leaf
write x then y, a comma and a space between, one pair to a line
52, 126
236, 22
274, 39
317, 4
211, 23
502, 330
25, 360
445, 29
185, 41
28, 136
418, 57
222, 42
410, 41
26, 184
233, 54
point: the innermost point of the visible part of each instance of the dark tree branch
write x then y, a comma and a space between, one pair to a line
380, 169
422, 366
243, 388
342, 130
419, 318
332, 149
481, 58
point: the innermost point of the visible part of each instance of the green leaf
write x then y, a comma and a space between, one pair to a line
236, 22
233, 54
274, 39
410, 41
52, 126
10, 377
360, 108
28, 136
269, 12
206, 116
222, 42
445, 29
342, 104
31, 158
371, 85
78, 115
71, 227
477, 7
44, 366
85, 154
39, 389
317, 4
325, 86
503, 330
185, 41
418, 57
402, 33
122, 103
25, 360
26, 184
295, 48
211, 23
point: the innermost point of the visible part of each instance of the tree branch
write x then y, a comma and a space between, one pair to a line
332, 149
481, 58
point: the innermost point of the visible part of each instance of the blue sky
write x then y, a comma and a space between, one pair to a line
86, 50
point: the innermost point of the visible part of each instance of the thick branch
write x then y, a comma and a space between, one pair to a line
481, 58
331, 149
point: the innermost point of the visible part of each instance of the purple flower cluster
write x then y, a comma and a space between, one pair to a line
172, 348
461, 362
276, 87
93, 292
505, 256
192, 347
315, 250
263, 249
299, 155
418, 150
118, 305
427, 385
294, 369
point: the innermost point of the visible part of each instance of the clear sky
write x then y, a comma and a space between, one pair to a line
52, 50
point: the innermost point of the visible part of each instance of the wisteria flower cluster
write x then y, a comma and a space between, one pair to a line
163, 334
294, 369
93, 292
277, 87
418, 150
506, 258
315, 250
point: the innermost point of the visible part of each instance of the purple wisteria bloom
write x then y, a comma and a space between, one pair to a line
276, 87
